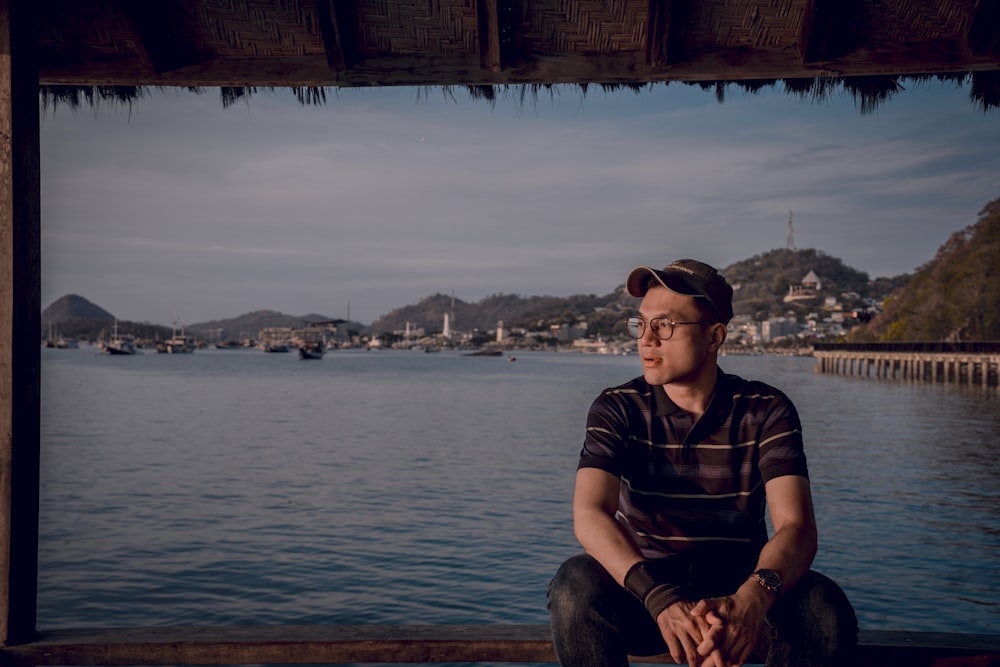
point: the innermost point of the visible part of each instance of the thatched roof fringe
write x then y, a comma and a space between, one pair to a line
755, 85
869, 92
93, 96
232, 95
985, 90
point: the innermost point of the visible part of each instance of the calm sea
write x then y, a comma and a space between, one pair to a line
242, 488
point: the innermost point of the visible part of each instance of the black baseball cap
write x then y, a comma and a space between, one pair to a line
687, 277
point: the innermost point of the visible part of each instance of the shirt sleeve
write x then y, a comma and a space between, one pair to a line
605, 439
781, 448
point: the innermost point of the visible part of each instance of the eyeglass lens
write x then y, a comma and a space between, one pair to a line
662, 328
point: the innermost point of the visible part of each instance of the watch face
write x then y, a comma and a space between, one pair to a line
770, 578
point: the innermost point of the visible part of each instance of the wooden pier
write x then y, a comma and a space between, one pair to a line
420, 644
974, 363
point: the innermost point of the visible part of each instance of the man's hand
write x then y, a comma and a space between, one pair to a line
733, 624
683, 632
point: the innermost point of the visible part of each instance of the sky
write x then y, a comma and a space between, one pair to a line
178, 210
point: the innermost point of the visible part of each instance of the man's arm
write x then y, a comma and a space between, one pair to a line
736, 619
595, 501
792, 547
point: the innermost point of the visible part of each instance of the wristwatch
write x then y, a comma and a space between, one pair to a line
769, 579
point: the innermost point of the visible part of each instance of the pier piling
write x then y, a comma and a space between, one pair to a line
946, 363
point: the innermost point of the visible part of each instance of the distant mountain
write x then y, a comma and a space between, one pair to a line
529, 312
250, 324
76, 317
73, 307
761, 284
954, 297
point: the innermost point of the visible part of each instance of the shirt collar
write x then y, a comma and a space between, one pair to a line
718, 405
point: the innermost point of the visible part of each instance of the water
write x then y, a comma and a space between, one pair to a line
243, 488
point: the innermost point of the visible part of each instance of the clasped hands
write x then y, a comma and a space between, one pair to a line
715, 632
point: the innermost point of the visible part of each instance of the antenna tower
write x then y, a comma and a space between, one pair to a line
790, 243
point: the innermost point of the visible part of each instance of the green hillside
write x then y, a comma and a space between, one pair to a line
955, 297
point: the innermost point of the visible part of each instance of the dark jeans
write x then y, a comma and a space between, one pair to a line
597, 623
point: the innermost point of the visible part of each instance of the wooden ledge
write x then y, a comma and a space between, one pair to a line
411, 644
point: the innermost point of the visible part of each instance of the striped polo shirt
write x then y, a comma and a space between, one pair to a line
695, 488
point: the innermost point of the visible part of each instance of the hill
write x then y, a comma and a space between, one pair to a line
528, 312
761, 284
73, 307
248, 325
75, 317
954, 297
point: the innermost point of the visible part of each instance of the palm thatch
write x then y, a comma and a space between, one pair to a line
869, 93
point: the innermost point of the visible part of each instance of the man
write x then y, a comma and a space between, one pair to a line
675, 473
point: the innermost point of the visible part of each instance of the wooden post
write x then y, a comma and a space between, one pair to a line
20, 320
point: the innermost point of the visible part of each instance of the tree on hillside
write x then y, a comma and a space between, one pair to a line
955, 296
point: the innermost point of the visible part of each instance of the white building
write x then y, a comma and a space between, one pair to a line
778, 327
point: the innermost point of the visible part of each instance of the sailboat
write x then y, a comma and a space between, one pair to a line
119, 345
58, 341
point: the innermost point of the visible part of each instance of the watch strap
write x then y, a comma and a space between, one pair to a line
769, 580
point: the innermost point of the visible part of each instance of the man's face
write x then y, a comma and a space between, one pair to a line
685, 357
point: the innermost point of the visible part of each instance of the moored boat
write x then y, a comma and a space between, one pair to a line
178, 343
55, 340
312, 351
120, 345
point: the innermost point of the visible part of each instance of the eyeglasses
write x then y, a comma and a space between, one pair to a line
663, 327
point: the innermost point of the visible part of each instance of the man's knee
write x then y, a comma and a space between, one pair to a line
576, 585
820, 613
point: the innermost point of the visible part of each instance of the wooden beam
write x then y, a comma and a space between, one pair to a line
824, 33
894, 59
6, 311
413, 644
488, 14
658, 33
20, 320
335, 17
983, 37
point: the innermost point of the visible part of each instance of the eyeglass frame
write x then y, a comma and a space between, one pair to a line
649, 323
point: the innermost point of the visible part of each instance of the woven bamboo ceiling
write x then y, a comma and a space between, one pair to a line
348, 43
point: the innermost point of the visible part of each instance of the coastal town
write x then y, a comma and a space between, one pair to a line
828, 318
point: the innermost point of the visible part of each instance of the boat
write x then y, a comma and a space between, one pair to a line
229, 345
274, 347
485, 352
178, 343
119, 344
312, 351
60, 342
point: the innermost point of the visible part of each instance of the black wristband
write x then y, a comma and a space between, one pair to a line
638, 581
655, 595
